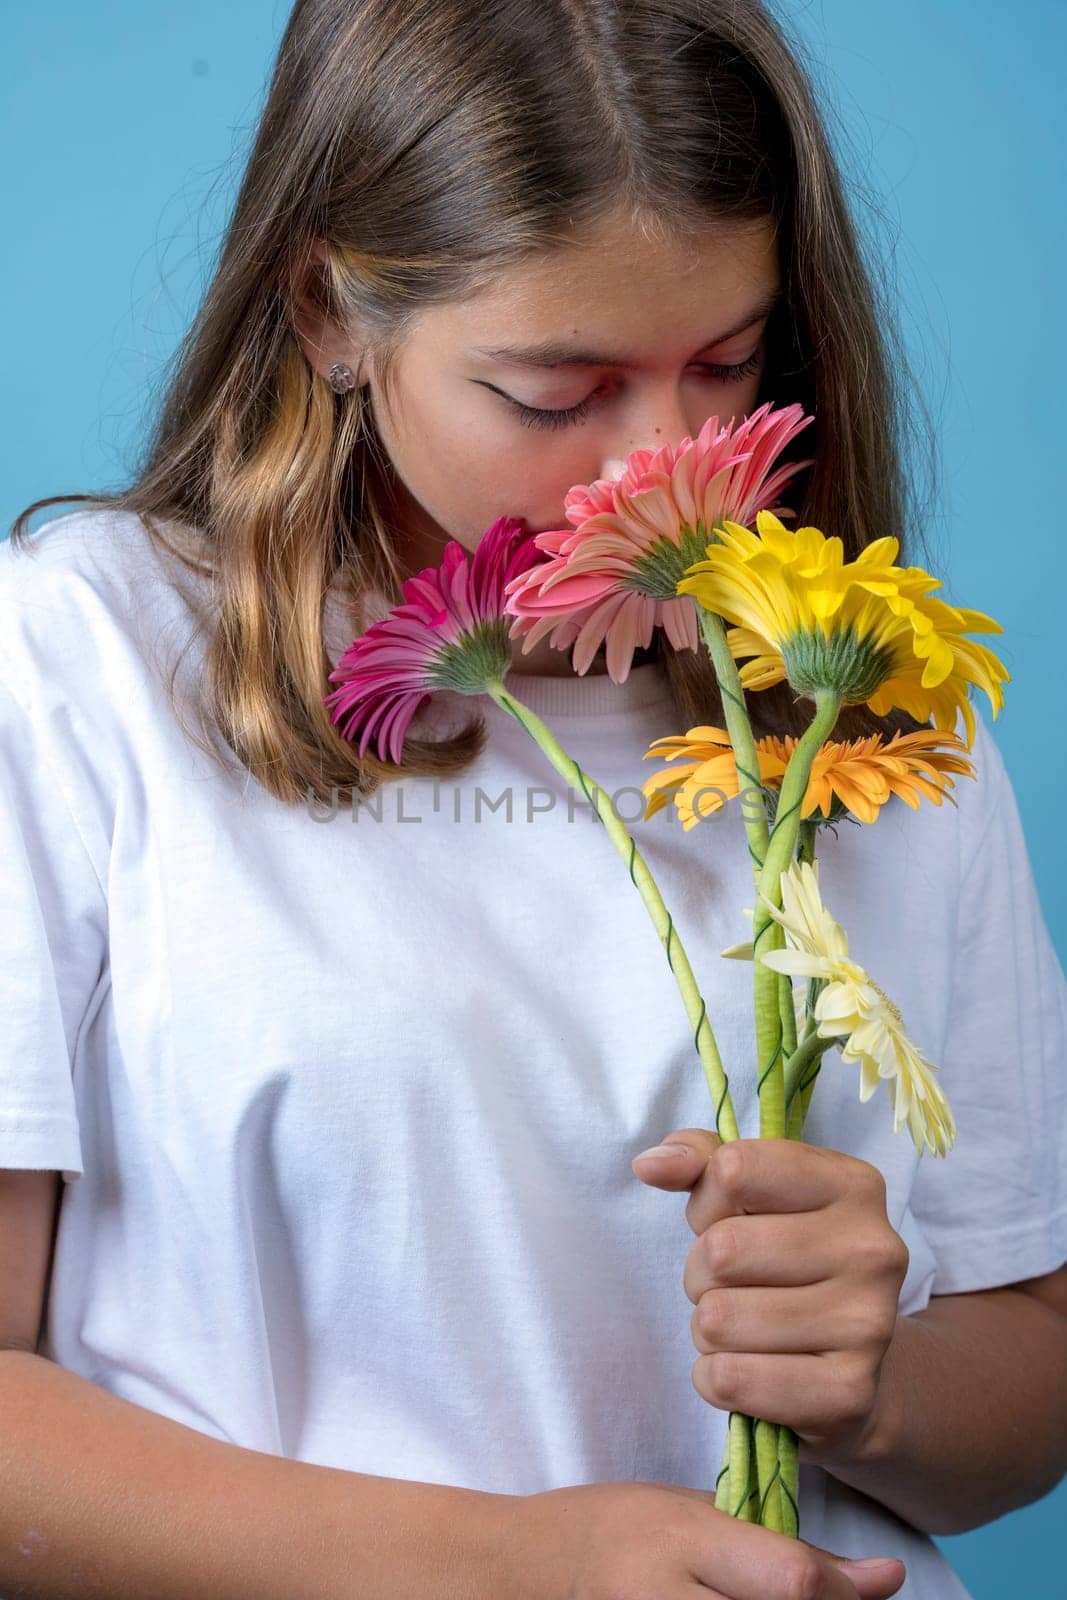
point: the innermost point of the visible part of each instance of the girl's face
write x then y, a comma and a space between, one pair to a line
648, 339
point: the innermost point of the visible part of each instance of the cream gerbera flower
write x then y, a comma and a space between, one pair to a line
852, 1007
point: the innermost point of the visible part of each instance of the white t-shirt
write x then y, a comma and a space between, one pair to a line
346, 1102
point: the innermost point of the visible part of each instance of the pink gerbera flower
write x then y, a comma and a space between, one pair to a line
451, 633
614, 575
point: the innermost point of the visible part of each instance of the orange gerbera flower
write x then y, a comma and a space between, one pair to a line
854, 776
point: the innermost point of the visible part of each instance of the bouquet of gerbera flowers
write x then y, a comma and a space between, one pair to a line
671, 544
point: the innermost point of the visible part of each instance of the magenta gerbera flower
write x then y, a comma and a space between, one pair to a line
613, 576
451, 632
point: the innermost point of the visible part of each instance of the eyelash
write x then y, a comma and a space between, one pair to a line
537, 417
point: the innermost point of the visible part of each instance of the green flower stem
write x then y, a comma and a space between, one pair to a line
806, 839
788, 1461
767, 934
795, 1125
776, 1505
724, 1494
742, 1488
749, 779
797, 1068
801, 1070
805, 852
768, 1468
645, 884
806, 1091
776, 1445
787, 1013
743, 744
800, 1083
722, 1480
803, 1083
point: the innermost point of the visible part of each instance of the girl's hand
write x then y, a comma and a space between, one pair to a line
655, 1541
795, 1278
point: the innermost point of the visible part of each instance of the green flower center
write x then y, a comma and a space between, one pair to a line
854, 667
479, 658
661, 569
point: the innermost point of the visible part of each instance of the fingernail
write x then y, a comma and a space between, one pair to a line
873, 1561
665, 1150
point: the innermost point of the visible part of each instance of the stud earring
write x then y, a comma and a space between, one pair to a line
341, 378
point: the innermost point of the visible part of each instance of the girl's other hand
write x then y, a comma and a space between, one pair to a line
651, 1541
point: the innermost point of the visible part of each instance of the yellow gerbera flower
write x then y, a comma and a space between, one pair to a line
866, 628
856, 775
854, 1008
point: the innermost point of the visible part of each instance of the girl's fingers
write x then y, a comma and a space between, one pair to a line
764, 1175
867, 1593
882, 1577
811, 1394
804, 1321
743, 1561
784, 1251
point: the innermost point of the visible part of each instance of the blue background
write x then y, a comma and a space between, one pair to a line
127, 126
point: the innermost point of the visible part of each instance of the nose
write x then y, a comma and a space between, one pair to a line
666, 423
615, 466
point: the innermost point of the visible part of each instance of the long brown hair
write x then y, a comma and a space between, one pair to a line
428, 144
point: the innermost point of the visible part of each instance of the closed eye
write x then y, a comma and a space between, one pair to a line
539, 417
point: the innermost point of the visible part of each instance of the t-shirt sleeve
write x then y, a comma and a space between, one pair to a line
53, 942
994, 1210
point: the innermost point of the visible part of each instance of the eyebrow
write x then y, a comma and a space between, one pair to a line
554, 353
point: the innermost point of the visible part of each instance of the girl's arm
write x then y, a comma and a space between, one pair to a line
971, 1419
102, 1499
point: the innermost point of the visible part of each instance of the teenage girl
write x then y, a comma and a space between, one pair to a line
327, 1267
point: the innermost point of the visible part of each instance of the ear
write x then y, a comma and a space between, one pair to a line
322, 340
